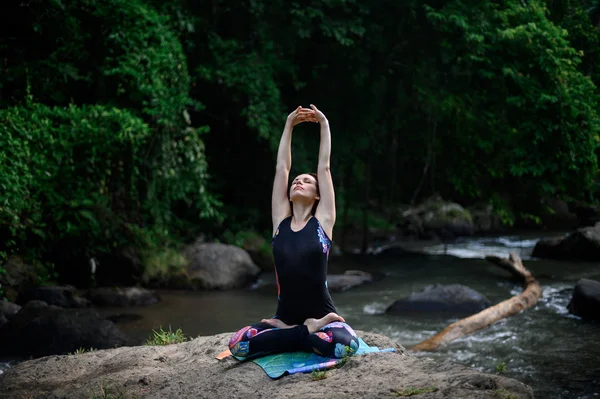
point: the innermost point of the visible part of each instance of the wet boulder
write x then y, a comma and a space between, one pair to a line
485, 221
452, 298
122, 296
9, 309
350, 278
583, 244
260, 250
19, 277
585, 301
219, 266
40, 330
437, 218
63, 296
335, 282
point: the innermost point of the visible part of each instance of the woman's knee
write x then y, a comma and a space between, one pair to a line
336, 339
238, 344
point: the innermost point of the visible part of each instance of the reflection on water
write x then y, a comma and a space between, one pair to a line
546, 347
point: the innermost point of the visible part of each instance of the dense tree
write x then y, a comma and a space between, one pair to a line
480, 101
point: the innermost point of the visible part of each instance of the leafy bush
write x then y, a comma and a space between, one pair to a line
70, 177
122, 54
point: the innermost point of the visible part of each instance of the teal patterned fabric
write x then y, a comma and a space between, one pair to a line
280, 364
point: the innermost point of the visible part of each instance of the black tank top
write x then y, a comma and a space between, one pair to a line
301, 272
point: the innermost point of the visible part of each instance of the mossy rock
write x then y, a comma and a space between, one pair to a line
447, 218
257, 245
19, 277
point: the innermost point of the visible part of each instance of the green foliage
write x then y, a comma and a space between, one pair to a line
162, 262
90, 53
249, 240
348, 353
81, 350
130, 60
528, 120
479, 101
412, 391
318, 375
375, 220
504, 394
72, 176
93, 178
162, 337
501, 368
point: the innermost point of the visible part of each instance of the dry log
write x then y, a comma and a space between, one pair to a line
529, 297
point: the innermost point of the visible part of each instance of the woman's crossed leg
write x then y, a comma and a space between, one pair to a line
324, 337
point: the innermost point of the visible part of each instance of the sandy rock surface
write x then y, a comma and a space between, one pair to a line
190, 370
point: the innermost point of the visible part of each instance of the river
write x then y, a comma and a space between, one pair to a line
556, 353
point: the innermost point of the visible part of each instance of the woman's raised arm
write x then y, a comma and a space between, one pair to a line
280, 203
325, 212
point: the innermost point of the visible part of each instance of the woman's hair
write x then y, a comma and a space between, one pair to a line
314, 208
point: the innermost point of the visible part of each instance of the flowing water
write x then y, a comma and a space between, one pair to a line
556, 353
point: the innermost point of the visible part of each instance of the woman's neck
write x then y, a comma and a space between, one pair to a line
302, 213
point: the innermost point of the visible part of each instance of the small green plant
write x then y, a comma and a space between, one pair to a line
501, 368
162, 337
504, 394
318, 375
106, 393
412, 391
348, 353
81, 350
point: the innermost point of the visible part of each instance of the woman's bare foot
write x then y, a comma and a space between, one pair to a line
315, 325
276, 323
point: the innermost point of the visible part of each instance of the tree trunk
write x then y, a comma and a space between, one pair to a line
509, 307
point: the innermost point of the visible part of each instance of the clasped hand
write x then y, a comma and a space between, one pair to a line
311, 114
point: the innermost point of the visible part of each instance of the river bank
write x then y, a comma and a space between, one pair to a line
544, 347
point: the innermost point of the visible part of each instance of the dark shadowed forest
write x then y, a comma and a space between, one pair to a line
142, 125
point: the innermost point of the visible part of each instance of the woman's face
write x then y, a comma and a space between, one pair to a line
304, 186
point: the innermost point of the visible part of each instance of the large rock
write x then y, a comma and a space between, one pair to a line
63, 296
335, 282
350, 279
259, 249
585, 301
19, 277
41, 330
452, 298
9, 309
437, 218
190, 370
557, 214
220, 266
587, 215
485, 221
122, 296
583, 244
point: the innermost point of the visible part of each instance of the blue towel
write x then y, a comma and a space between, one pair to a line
280, 364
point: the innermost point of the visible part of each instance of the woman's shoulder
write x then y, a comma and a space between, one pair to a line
283, 223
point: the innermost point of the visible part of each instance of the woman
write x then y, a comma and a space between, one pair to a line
303, 220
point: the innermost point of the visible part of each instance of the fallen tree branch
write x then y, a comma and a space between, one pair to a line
529, 297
